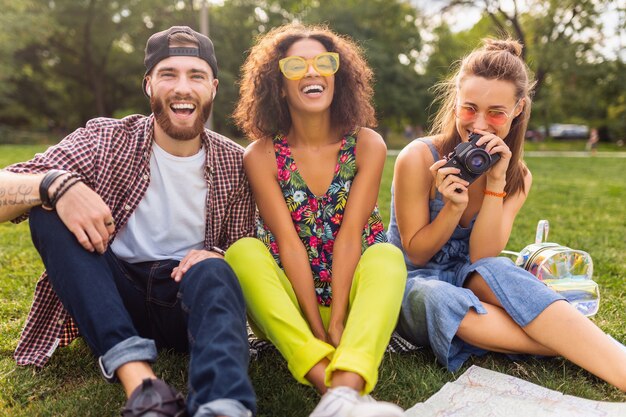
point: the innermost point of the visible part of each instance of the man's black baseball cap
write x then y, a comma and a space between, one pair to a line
158, 48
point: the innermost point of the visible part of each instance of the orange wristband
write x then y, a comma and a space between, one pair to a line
494, 194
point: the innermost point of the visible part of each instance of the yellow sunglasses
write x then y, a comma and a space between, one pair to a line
295, 67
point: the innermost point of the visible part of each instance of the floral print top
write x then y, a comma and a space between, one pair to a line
317, 219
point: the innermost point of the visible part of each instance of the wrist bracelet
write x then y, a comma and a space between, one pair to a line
63, 189
218, 250
45, 184
494, 194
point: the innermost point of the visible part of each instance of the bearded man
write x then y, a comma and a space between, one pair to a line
131, 218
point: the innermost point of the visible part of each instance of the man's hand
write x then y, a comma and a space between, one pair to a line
87, 216
193, 257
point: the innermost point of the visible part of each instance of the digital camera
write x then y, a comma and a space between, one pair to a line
471, 159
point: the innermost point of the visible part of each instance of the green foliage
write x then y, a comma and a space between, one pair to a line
576, 82
22, 23
87, 63
233, 28
63, 62
387, 30
567, 65
612, 99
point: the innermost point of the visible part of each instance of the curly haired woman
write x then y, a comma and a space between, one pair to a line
320, 282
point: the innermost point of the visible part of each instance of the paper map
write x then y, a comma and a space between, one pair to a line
485, 393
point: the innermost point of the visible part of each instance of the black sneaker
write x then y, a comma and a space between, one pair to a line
154, 398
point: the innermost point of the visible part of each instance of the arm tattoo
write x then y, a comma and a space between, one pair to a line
17, 196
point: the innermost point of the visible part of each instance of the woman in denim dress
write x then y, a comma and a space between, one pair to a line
461, 298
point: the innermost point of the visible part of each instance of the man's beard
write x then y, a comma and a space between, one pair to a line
159, 108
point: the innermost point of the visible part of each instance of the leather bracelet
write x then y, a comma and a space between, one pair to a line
61, 185
63, 189
494, 194
45, 184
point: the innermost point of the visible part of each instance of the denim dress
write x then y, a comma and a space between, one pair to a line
435, 301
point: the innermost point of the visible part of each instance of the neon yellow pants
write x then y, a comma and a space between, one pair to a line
275, 315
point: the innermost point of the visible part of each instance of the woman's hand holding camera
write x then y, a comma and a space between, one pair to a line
453, 188
494, 144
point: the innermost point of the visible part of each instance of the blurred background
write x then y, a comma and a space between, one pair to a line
63, 62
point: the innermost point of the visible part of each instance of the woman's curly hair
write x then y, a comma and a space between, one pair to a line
262, 111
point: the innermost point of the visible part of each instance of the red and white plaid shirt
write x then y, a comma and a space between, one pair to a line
113, 158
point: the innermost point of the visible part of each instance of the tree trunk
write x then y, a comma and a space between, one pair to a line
94, 71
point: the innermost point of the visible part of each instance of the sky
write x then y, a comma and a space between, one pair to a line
464, 18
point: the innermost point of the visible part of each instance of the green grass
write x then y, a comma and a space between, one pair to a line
570, 145
583, 198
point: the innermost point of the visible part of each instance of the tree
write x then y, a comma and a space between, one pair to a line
63, 62
89, 60
549, 29
575, 81
233, 27
22, 23
389, 34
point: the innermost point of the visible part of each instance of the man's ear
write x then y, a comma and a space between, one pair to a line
216, 84
147, 83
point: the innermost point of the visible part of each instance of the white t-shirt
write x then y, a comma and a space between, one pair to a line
170, 220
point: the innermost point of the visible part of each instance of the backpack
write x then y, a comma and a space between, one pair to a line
567, 271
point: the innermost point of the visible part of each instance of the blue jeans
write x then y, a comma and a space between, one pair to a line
125, 311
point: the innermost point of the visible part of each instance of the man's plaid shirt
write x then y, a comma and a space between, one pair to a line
113, 158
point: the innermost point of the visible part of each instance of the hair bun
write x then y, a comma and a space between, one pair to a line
510, 45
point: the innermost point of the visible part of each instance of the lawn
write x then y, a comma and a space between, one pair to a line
583, 198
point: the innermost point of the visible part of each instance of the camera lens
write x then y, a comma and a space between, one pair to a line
477, 161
